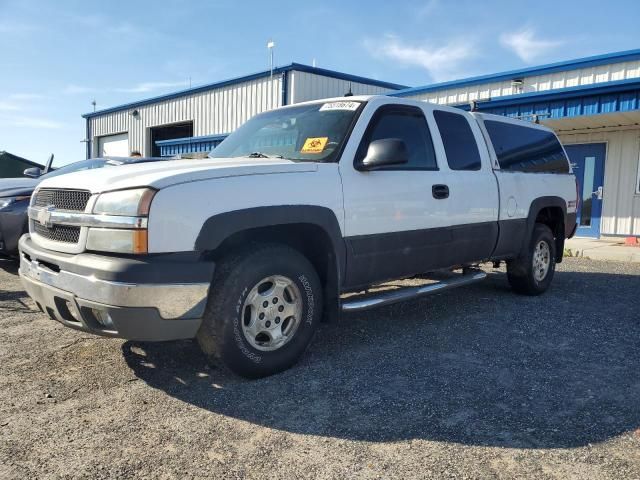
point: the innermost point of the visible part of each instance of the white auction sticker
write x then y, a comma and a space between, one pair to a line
340, 106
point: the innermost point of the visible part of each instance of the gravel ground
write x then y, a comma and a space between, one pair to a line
471, 383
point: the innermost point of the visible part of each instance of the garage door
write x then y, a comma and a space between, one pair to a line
114, 145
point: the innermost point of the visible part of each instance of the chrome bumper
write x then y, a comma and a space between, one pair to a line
173, 301
137, 308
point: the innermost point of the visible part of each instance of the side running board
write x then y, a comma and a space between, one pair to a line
402, 294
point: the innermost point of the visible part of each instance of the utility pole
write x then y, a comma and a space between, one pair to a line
271, 45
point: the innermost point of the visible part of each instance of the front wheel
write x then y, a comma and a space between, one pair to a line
263, 309
532, 273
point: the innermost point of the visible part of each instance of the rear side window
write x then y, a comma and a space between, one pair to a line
525, 149
459, 143
407, 124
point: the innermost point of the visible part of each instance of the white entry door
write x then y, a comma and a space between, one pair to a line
114, 145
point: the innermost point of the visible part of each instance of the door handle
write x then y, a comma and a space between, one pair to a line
440, 192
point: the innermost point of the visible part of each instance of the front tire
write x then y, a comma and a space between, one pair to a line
263, 309
532, 273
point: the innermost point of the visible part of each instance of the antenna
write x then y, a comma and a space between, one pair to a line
271, 45
349, 93
93, 102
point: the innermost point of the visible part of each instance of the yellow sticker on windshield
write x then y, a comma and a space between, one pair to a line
314, 144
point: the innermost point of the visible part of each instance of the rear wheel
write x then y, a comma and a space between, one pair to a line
263, 309
532, 273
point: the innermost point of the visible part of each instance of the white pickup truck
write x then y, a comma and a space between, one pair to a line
249, 250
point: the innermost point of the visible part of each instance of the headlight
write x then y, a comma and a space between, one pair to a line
127, 203
130, 203
6, 201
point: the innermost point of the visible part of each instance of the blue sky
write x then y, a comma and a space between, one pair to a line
56, 57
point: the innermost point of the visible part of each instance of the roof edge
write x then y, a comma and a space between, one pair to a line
300, 67
603, 59
617, 86
13, 156
246, 78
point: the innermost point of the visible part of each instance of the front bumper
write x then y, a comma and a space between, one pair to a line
148, 298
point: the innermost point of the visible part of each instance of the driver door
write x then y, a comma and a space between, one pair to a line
392, 214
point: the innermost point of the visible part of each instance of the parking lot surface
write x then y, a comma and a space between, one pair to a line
472, 383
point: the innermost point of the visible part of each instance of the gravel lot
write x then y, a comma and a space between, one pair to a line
472, 383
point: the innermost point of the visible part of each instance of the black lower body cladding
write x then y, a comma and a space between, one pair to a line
385, 256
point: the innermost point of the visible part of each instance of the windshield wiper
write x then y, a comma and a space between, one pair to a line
262, 155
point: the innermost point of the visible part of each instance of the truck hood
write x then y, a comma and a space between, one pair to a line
163, 174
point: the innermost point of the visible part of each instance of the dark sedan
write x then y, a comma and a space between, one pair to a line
15, 194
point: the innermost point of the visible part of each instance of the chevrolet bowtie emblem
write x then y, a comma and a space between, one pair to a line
44, 216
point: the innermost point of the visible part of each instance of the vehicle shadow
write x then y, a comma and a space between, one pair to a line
9, 265
476, 366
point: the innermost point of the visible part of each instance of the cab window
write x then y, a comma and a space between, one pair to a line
520, 148
460, 145
407, 124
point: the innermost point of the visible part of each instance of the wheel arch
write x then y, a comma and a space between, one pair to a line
550, 211
312, 230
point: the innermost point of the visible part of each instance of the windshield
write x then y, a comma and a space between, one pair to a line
313, 132
76, 167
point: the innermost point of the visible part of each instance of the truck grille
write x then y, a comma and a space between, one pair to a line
74, 200
58, 233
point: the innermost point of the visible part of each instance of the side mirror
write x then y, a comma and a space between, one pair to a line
385, 152
33, 172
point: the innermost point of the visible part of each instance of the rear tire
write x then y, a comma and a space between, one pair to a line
264, 306
532, 273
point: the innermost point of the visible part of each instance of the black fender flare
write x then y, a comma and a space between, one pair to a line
217, 228
536, 206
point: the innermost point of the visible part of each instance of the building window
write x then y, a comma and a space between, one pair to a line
169, 132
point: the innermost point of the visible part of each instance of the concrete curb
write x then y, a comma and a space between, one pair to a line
602, 250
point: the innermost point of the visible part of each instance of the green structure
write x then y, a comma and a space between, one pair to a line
12, 166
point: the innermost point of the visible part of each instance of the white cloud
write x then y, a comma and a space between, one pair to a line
526, 45
443, 62
30, 122
8, 106
25, 96
12, 27
428, 8
73, 89
17, 101
146, 87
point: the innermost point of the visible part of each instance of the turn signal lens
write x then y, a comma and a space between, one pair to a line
117, 241
140, 241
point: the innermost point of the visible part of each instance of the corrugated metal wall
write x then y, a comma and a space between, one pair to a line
539, 83
621, 204
304, 86
213, 112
